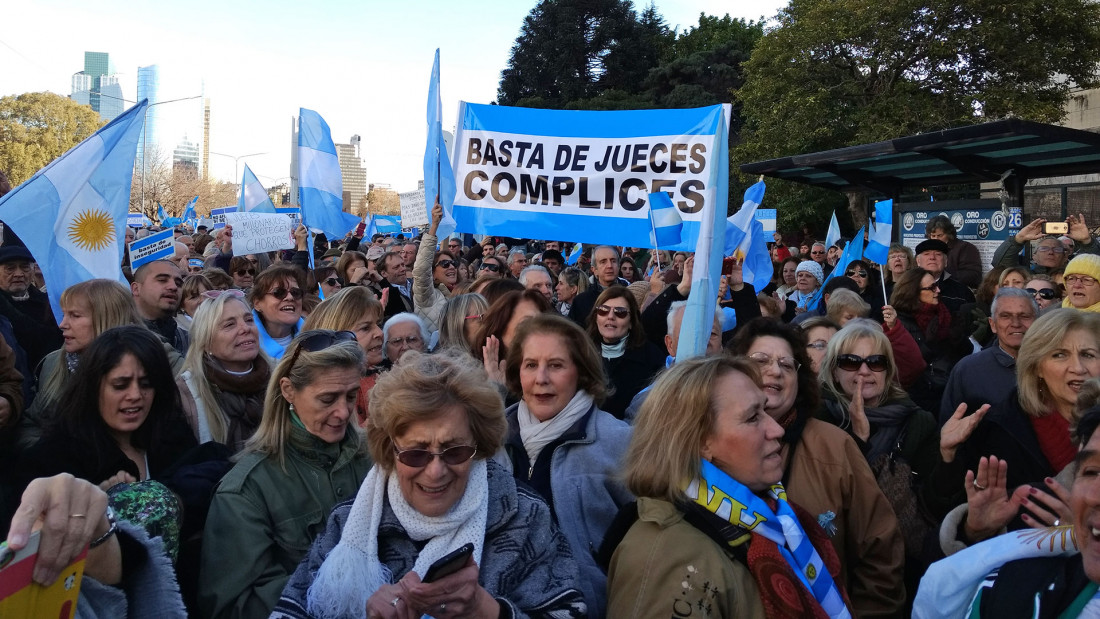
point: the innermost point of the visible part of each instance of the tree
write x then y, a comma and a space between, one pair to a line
569, 50
173, 188
38, 127
836, 73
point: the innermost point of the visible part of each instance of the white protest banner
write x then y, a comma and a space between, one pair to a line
413, 210
766, 217
218, 215
152, 247
255, 233
580, 175
134, 220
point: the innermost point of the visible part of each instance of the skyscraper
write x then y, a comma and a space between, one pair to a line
354, 176
97, 86
148, 87
206, 137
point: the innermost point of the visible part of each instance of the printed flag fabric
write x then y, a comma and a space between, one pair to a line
320, 185
665, 219
254, 198
439, 178
878, 246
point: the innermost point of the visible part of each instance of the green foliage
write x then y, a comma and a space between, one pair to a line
836, 73
38, 127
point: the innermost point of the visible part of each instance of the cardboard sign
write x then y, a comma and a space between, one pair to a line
414, 212
218, 215
135, 220
153, 247
256, 233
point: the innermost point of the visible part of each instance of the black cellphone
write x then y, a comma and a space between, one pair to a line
449, 564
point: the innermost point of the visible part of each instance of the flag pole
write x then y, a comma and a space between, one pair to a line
656, 245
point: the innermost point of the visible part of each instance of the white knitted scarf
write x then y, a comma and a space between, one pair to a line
352, 572
537, 434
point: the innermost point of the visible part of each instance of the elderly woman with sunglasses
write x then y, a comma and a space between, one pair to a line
629, 358
243, 271
861, 395
1045, 291
435, 274
305, 457
435, 424
225, 376
276, 300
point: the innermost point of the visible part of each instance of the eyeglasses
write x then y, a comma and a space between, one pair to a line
334, 281
859, 273
620, 312
476, 317
1084, 280
317, 340
446, 264
818, 251
420, 458
1042, 293
786, 364
852, 363
412, 341
817, 344
489, 266
214, 294
246, 271
930, 288
280, 293
1051, 250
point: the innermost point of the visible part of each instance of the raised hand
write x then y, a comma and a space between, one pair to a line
990, 507
1078, 231
958, 429
1048, 510
861, 427
1032, 231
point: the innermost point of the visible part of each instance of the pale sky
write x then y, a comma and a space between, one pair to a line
363, 65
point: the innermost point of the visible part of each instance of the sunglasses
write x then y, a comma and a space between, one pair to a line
420, 458
446, 264
859, 273
620, 312
930, 288
1042, 293
488, 266
852, 363
214, 294
280, 293
319, 340
334, 281
246, 271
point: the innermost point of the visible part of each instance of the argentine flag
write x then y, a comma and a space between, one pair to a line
439, 178
575, 255
254, 198
320, 185
833, 235
665, 219
878, 246
72, 213
189, 215
745, 240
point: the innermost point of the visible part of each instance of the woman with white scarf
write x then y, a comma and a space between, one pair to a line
435, 420
559, 441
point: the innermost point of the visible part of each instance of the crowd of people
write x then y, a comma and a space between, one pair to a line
296, 435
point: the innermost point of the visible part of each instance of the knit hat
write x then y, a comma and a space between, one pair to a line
1084, 264
811, 267
639, 290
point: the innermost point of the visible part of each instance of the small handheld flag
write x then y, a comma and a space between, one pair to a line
575, 255
665, 219
878, 246
833, 235
254, 197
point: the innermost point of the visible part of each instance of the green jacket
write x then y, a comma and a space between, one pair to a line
264, 517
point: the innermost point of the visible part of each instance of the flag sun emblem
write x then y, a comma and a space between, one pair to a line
92, 230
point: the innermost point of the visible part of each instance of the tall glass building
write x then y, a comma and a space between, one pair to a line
148, 87
97, 86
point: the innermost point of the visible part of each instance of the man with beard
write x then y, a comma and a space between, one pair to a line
156, 294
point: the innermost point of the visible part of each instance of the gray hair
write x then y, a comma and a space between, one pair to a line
402, 318
515, 252
675, 314
533, 267
1008, 292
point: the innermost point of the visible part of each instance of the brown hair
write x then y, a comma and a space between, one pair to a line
906, 294
636, 336
590, 374
500, 312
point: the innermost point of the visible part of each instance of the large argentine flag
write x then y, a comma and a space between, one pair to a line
72, 213
254, 198
320, 185
878, 246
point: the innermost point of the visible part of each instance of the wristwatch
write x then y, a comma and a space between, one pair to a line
111, 530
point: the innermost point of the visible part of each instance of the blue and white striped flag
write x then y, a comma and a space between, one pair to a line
745, 240
254, 198
878, 246
575, 255
189, 211
665, 219
833, 235
72, 213
320, 185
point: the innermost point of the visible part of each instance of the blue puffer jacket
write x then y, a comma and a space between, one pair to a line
580, 476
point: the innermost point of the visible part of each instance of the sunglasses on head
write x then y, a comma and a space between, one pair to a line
1042, 293
420, 458
852, 363
489, 266
319, 340
280, 293
859, 273
446, 264
246, 271
620, 312
214, 294
334, 281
